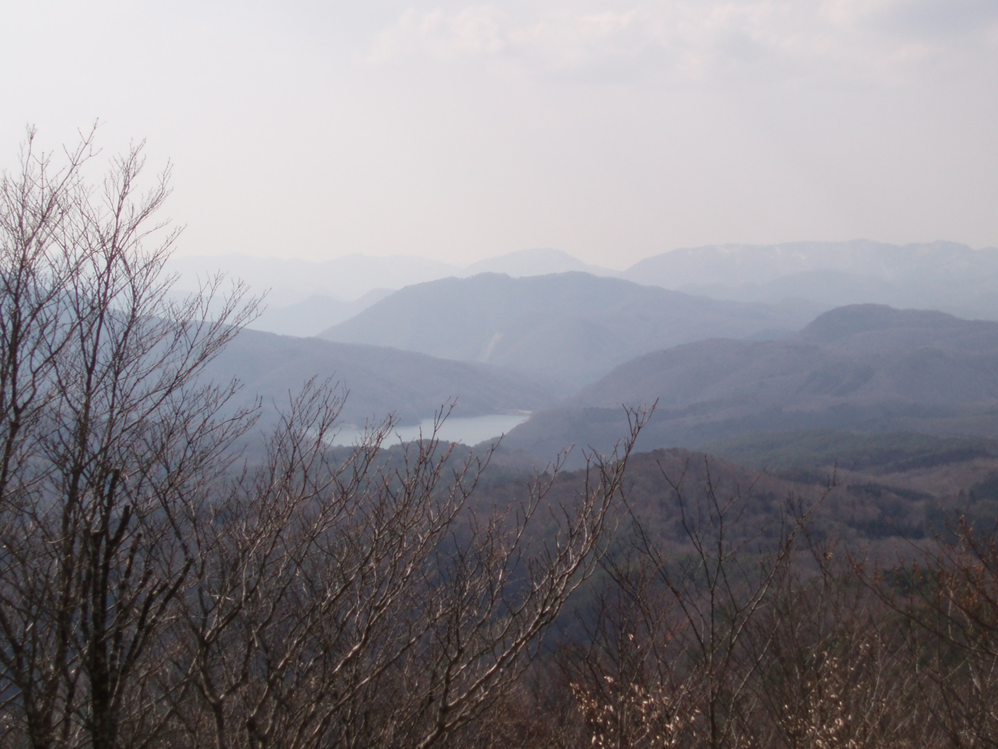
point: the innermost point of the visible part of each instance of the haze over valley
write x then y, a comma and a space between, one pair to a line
861, 363
727, 340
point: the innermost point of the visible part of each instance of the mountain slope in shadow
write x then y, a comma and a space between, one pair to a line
378, 380
570, 327
862, 367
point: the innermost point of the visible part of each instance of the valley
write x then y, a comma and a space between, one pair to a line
728, 342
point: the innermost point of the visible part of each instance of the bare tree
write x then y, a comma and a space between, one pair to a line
103, 432
673, 647
724, 637
629, 666
837, 669
156, 591
948, 597
369, 601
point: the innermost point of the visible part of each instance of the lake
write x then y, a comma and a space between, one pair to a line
467, 429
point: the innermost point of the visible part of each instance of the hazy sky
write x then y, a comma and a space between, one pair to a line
611, 130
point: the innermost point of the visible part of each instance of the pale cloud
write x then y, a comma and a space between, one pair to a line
566, 41
462, 128
864, 39
474, 31
846, 13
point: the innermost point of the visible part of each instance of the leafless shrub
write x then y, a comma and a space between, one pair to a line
948, 597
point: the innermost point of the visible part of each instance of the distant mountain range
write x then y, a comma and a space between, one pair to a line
864, 367
938, 275
571, 328
308, 297
534, 263
574, 345
304, 298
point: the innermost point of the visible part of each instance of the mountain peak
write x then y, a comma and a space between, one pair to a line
534, 262
843, 322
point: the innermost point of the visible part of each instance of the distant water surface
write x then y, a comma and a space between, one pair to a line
468, 429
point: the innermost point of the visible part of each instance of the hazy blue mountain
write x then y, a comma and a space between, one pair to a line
379, 380
864, 367
348, 278
292, 280
740, 264
311, 316
573, 327
535, 262
938, 275
830, 288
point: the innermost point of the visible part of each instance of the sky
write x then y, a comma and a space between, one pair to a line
456, 131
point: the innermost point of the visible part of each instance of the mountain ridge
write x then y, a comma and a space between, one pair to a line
930, 275
570, 327
862, 367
